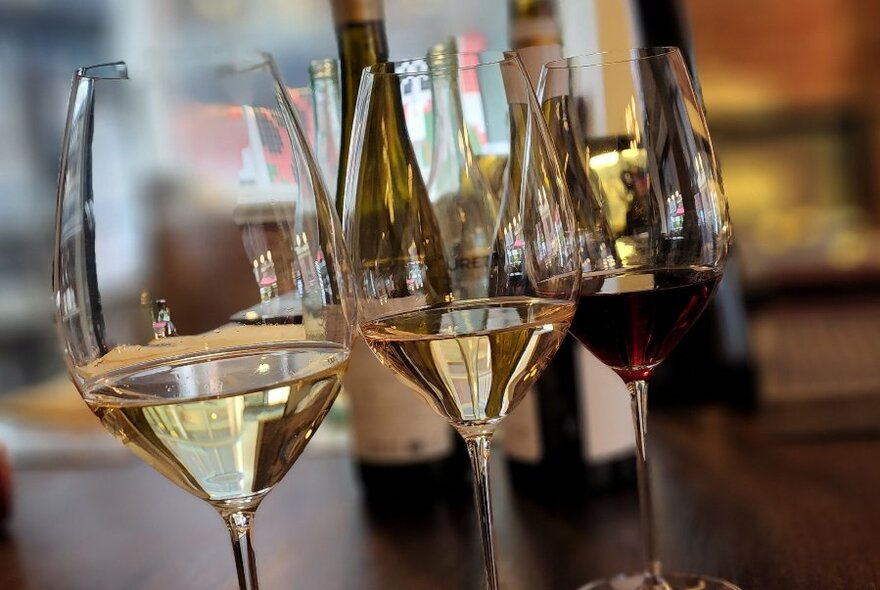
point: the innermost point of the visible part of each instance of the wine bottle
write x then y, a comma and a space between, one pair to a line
572, 435
404, 451
5, 487
324, 80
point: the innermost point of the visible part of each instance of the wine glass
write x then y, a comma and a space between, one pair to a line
200, 279
640, 167
464, 292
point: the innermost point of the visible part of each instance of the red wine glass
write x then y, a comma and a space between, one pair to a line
638, 161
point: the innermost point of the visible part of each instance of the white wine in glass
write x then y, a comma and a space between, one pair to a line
473, 360
200, 280
466, 285
237, 437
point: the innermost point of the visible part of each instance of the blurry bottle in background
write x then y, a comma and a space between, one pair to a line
571, 436
455, 185
405, 452
534, 33
324, 80
5, 487
533, 23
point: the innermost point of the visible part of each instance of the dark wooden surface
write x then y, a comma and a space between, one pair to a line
731, 500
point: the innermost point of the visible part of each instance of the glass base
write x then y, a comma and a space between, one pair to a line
674, 581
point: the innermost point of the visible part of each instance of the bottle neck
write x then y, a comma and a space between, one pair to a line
452, 154
325, 92
361, 44
327, 111
662, 23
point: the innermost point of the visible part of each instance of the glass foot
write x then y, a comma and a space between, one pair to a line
674, 581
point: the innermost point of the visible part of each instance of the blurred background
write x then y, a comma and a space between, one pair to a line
793, 100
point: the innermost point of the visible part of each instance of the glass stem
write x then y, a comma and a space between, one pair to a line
239, 524
478, 449
638, 391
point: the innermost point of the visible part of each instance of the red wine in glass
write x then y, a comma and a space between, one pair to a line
653, 177
632, 320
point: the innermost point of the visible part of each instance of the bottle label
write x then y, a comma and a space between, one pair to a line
475, 262
522, 431
603, 402
604, 419
391, 423
534, 58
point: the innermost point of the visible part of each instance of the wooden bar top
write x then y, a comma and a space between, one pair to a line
731, 500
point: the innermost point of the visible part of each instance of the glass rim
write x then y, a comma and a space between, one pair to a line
487, 58
236, 61
607, 58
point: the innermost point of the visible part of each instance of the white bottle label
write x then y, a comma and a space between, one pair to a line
533, 59
604, 420
391, 423
603, 403
522, 430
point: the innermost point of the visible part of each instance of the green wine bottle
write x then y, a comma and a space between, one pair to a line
403, 450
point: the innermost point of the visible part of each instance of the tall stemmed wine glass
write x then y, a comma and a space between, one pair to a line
640, 167
199, 276
463, 291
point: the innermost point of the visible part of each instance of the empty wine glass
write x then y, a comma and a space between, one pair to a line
200, 280
640, 167
464, 292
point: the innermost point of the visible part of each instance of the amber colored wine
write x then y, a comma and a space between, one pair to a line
632, 321
472, 360
224, 428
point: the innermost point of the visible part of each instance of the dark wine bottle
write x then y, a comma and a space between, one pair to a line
5, 488
405, 453
572, 435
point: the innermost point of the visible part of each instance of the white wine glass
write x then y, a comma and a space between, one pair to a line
465, 292
640, 167
200, 279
